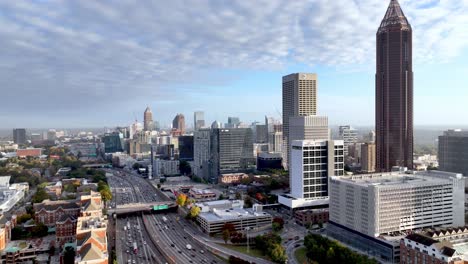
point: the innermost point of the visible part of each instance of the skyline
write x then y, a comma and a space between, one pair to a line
71, 75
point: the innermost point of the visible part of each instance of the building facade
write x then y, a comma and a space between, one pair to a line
453, 151
148, 124
368, 157
299, 99
179, 123
186, 151
19, 136
394, 91
349, 136
201, 152
198, 120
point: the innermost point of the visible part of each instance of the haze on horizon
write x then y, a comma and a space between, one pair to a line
86, 64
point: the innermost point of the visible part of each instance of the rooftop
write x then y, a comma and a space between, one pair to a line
231, 214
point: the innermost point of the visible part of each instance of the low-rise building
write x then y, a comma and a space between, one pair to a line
49, 212
441, 246
10, 195
311, 216
229, 178
29, 152
269, 160
200, 194
65, 229
215, 214
165, 167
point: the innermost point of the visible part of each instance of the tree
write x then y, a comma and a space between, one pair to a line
69, 255
40, 230
23, 218
221, 197
158, 185
278, 254
230, 227
248, 202
181, 199
226, 235
185, 168
40, 196
194, 211
276, 227
280, 221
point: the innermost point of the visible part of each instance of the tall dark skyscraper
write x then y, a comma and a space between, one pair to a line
394, 91
148, 120
19, 136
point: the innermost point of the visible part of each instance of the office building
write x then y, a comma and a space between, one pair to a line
148, 120
113, 142
394, 91
368, 157
165, 167
19, 136
275, 142
299, 99
52, 135
313, 162
198, 120
201, 152
349, 136
233, 122
261, 134
441, 246
186, 148
372, 211
179, 123
231, 151
453, 151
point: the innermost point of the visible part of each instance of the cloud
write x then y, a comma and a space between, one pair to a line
73, 55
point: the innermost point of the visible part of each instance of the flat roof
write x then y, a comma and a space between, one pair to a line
398, 178
231, 214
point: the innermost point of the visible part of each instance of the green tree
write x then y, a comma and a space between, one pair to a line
194, 211
40, 196
278, 254
248, 202
69, 255
226, 235
40, 230
276, 227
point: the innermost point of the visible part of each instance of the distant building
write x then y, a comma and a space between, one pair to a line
229, 178
261, 134
198, 120
372, 211
349, 136
201, 152
165, 168
200, 194
65, 229
313, 162
148, 120
19, 136
299, 99
231, 151
52, 135
311, 216
269, 160
29, 152
49, 212
275, 142
179, 123
186, 145
368, 157
113, 142
233, 122
453, 151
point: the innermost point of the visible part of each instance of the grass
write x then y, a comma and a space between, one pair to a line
300, 255
243, 249
22, 245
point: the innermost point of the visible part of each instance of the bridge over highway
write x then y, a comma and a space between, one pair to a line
142, 207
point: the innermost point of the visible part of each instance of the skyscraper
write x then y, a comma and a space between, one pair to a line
198, 120
394, 91
148, 120
19, 136
299, 99
233, 122
453, 151
179, 123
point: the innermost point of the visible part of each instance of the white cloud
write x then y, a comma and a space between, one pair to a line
100, 53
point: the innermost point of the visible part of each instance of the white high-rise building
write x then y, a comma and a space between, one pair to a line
312, 163
299, 99
198, 120
349, 136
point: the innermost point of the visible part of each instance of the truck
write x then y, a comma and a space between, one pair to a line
135, 248
189, 247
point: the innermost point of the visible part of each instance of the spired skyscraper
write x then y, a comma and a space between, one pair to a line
394, 91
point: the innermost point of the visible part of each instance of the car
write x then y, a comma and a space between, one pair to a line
172, 245
297, 245
193, 255
201, 251
180, 252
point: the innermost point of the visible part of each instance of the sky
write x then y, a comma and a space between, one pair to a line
100, 63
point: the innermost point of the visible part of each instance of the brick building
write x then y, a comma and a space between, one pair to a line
311, 216
65, 229
49, 212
